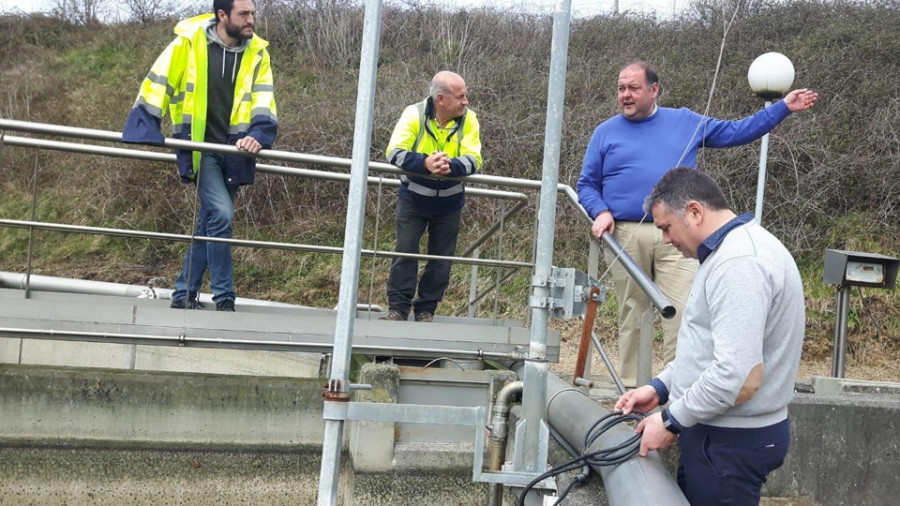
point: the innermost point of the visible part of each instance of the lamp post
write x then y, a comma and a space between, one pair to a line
770, 77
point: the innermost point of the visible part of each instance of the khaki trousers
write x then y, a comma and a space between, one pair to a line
669, 269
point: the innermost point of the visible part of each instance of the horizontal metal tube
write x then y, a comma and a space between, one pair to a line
659, 301
206, 342
108, 136
136, 154
265, 154
264, 168
244, 242
656, 297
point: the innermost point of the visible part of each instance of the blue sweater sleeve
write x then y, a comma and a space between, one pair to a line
589, 186
722, 134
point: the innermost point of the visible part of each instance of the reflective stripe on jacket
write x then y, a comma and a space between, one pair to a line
178, 80
416, 136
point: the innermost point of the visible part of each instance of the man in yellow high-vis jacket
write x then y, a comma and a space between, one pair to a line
437, 137
216, 80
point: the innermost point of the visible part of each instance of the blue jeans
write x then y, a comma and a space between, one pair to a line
443, 230
721, 465
214, 219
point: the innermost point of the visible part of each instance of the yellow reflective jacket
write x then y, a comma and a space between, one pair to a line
416, 136
178, 80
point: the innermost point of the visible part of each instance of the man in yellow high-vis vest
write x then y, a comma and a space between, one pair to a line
435, 138
216, 80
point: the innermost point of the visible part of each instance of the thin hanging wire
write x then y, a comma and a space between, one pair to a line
499, 257
190, 252
34, 192
374, 249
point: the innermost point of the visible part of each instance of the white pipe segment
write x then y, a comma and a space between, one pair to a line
70, 285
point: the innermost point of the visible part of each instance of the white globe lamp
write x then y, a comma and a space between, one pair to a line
771, 75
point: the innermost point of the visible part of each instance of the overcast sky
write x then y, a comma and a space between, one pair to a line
663, 8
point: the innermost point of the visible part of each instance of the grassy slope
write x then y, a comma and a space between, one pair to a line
833, 172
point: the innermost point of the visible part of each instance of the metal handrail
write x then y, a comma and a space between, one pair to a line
117, 232
662, 304
227, 343
74, 147
653, 292
521, 199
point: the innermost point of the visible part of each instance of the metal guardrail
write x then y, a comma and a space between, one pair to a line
655, 295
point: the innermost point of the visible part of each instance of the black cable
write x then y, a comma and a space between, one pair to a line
602, 457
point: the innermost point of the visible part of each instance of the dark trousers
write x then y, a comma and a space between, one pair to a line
443, 230
729, 466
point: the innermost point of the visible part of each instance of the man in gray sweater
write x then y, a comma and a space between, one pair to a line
738, 347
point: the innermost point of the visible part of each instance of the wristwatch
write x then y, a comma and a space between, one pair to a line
667, 422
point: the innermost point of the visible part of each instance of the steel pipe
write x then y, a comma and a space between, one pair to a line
659, 301
235, 344
117, 232
641, 481
265, 154
136, 154
336, 391
499, 435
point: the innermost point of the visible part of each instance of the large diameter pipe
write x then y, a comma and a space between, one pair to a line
641, 481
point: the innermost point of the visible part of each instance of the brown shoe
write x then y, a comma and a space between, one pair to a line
424, 317
393, 316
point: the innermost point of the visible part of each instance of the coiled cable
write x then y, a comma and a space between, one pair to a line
602, 457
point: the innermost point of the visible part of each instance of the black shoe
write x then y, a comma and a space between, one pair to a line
424, 317
225, 305
393, 316
191, 303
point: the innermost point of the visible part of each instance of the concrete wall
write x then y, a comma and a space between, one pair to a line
100, 436
158, 358
66, 433
844, 451
49, 403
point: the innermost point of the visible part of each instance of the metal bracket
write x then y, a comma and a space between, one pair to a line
569, 291
475, 417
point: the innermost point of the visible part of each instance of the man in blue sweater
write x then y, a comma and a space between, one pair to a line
738, 350
626, 156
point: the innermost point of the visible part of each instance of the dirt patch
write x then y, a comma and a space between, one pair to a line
868, 361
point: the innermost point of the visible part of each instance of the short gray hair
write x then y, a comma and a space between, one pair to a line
682, 185
437, 87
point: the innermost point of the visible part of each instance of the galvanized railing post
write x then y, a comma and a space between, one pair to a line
536, 367
338, 390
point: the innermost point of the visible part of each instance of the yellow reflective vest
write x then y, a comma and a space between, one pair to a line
178, 81
417, 135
